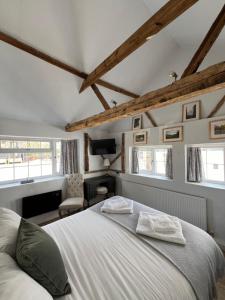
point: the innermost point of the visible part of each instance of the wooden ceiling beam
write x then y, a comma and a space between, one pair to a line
56, 62
206, 44
117, 89
100, 97
168, 13
217, 107
208, 80
150, 118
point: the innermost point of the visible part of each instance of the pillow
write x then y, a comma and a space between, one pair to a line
9, 224
38, 255
16, 284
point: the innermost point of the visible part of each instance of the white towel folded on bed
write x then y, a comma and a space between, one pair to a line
164, 223
118, 205
162, 227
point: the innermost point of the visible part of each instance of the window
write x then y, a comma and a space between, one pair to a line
151, 160
213, 164
22, 159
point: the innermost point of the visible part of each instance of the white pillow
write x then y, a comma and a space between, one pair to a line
9, 224
16, 284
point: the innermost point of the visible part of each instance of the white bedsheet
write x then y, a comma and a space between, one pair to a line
106, 262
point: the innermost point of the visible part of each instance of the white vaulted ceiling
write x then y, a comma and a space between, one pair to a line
82, 33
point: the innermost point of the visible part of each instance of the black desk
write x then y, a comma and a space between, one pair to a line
90, 185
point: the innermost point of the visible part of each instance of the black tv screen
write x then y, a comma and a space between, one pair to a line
100, 147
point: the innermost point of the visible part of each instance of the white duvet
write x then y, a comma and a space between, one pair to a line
104, 261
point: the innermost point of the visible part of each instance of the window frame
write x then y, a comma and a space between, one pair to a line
204, 179
51, 149
153, 150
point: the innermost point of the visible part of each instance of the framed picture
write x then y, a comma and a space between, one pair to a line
191, 111
217, 129
140, 138
173, 134
137, 122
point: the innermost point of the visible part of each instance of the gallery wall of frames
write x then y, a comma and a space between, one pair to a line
190, 112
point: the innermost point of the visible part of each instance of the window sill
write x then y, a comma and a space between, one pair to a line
208, 185
39, 180
152, 176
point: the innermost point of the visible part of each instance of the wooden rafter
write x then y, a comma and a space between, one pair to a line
217, 107
56, 62
168, 13
206, 44
100, 96
208, 80
117, 89
115, 159
150, 118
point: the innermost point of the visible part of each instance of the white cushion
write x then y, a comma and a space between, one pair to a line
15, 284
101, 190
70, 203
9, 224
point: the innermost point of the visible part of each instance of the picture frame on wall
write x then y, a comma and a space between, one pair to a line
172, 134
191, 111
217, 129
137, 122
140, 138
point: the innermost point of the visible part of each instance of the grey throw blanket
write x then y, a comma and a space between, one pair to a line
201, 261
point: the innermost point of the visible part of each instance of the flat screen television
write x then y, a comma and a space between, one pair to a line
100, 147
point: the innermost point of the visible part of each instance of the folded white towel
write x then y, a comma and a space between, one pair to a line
118, 205
150, 225
164, 223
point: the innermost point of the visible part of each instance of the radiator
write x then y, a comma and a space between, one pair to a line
186, 207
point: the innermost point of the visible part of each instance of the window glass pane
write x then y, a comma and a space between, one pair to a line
25, 162
6, 166
21, 159
213, 164
6, 144
6, 159
45, 145
160, 161
6, 174
160, 168
215, 172
145, 160
34, 171
21, 172
20, 144
160, 155
47, 158
204, 155
152, 161
34, 144
34, 159
46, 170
215, 156
18, 158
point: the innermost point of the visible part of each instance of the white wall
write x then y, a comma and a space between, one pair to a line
10, 196
195, 132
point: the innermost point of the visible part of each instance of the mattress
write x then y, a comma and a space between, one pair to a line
104, 261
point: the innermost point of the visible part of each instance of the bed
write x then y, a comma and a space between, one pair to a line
105, 260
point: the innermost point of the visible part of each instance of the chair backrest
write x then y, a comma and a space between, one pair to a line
74, 185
